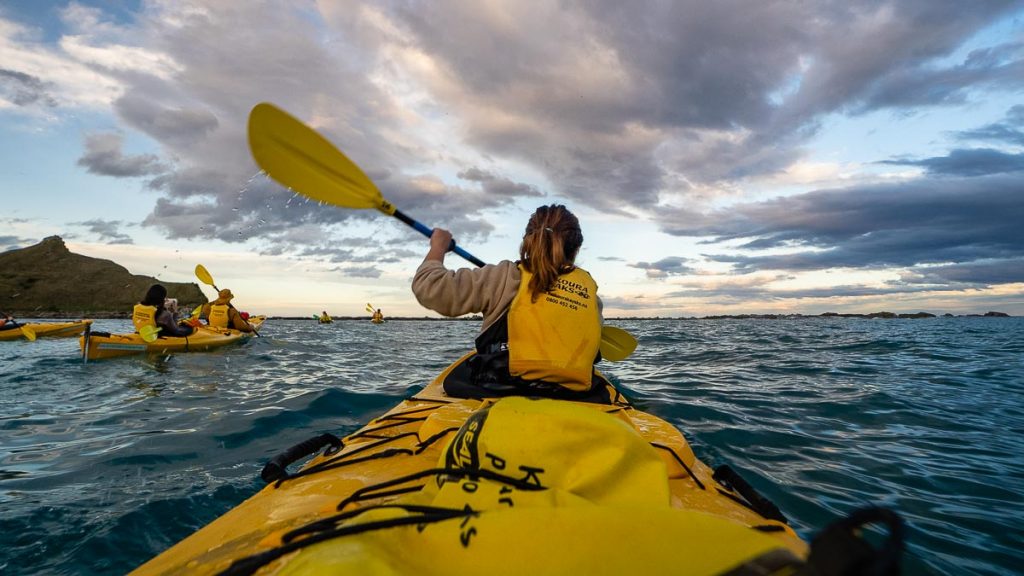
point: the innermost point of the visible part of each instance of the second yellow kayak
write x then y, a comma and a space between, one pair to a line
47, 329
96, 346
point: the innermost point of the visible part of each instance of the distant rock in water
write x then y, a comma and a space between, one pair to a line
48, 280
997, 314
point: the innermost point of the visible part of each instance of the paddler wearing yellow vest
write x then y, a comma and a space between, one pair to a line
542, 317
222, 314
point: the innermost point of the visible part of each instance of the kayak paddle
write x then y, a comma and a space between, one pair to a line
149, 333
616, 343
27, 332
299, 158
204, 276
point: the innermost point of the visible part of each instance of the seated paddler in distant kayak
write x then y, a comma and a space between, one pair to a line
7, 321
152, 311
541, 329
222, 314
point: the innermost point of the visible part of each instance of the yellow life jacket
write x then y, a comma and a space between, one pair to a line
219, 315
143, 315
556, 338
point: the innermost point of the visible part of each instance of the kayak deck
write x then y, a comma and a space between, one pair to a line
98, 346
637, 485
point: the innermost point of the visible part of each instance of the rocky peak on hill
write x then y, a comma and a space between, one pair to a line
48, 280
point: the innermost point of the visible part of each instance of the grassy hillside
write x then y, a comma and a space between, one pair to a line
48, 280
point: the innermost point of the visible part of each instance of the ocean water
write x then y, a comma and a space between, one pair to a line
104, 465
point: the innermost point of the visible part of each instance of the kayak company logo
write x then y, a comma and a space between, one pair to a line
573, 288
463, 451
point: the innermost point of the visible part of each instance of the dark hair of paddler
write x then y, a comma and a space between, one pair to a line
155, 296
549, 247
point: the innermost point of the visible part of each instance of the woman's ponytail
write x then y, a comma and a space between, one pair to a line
549, 247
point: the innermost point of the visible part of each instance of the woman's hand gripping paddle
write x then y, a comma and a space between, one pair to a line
302, 160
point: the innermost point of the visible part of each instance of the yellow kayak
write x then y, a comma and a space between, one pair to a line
100, 345
46, 329
449, 482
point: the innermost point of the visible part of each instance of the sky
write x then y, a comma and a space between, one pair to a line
726, 157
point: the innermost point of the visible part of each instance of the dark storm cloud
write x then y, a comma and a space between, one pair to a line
178, 125
23, 89
1000, 67
12, 243
615, 102
108, 231
1009, 131
670, 266
969, 162
359, 271
937, 221
103, 156
983, 273
499, 186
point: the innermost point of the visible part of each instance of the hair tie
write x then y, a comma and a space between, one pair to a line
549, 229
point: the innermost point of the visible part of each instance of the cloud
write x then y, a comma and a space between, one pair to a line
103, 156
180, 126
972, 162
106, 230
1009, 131
920, 222
670, 266
618, 105
979, 273
358, 271
8, 242
23, 89
498, 186
615, 106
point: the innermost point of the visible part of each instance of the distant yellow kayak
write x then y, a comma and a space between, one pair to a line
102, 345
46, 329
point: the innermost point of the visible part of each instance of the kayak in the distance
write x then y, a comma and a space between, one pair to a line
454, 480
45, 329
100, 345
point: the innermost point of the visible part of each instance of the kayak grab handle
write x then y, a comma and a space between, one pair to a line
277, 468
729, 478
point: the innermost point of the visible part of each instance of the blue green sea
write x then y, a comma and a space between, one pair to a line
106, 464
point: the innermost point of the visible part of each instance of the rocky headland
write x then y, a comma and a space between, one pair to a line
49, 281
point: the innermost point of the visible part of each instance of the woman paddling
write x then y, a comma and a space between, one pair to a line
542, 316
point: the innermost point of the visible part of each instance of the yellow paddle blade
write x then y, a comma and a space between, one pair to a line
28, 333
149, 333
297, 157
616, 344
203, 275
370, 308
